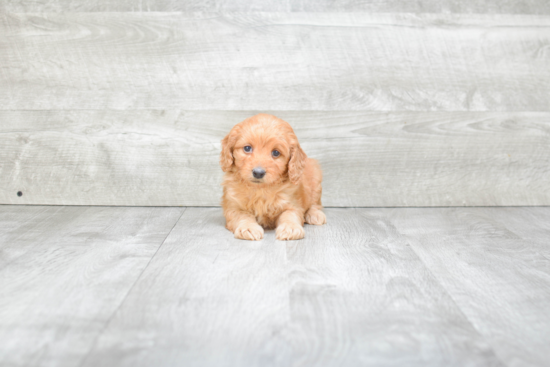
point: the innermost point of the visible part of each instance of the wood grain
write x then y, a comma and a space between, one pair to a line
275, 61
206, 299
89, 286
394, 6
170, 157
64, 271
360, 296
347, 295
498, 276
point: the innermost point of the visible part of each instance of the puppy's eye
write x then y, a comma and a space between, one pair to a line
275, 153
248, 149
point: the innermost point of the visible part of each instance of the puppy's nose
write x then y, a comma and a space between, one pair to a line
258, 172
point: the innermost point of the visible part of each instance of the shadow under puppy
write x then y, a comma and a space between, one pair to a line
269, 181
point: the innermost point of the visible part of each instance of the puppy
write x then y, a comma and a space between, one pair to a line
269, 181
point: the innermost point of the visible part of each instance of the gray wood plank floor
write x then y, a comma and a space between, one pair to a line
91, 286
64, 271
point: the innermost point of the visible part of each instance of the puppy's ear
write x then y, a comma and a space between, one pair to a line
296, 164
226, 156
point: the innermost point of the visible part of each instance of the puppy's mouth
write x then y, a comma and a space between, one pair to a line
255, 180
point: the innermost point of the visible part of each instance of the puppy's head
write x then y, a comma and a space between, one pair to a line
263, 149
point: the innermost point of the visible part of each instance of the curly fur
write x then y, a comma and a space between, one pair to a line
287, 196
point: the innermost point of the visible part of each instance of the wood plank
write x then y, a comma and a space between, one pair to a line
360, 296
527, 223
395, 6
170, 157
275, 61
64, 271
351, 293
20, 221
206, 299
424, 6
499, 278
15, 217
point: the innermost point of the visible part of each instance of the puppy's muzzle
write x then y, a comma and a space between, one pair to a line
258, 172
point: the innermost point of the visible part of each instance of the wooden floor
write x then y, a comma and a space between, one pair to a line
148, 286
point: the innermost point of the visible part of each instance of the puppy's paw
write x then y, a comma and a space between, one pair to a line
316, 217
287, 232
252, 232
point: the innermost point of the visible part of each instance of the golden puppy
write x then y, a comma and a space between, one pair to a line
269, 181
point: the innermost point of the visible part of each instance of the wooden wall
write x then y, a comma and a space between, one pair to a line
426, 103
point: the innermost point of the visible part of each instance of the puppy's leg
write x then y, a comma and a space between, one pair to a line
243, 225
290, 225
315, 215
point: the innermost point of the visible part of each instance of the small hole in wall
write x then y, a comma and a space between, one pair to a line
19, 193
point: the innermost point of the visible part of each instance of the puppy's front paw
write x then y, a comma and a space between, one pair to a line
252, 232
287, 232
316, 217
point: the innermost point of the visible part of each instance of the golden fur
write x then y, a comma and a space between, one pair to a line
288, 194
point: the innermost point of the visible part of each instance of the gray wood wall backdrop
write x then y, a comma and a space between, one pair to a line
422, 103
